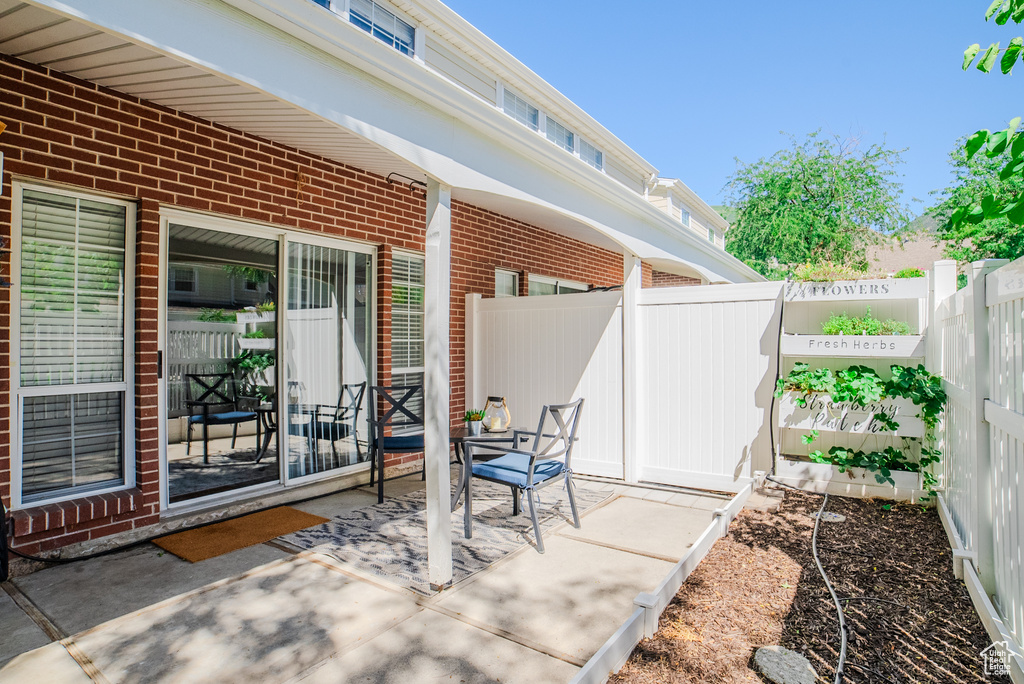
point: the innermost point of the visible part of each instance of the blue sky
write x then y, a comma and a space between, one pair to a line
693, 85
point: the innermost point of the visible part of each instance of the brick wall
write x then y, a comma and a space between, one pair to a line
65, 131
661, 279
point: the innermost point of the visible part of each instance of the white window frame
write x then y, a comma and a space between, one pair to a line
559, 283
711, 234
342, 9
542, 127
515, 282
284, 237
419, 256
126, 386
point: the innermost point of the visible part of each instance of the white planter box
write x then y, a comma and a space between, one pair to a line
854, 346
256, 316
851, 290
821, 414
264, 343
857, 482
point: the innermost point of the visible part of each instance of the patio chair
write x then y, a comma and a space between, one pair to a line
526, 470
211, 400
391, 408
334, 423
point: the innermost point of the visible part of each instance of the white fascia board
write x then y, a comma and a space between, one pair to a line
449, 25
695, 201
327, 68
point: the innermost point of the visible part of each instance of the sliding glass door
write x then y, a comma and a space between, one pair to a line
328, 332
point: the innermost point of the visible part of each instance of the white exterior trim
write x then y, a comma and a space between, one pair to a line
127, 386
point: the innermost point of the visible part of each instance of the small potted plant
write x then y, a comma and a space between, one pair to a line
473, 420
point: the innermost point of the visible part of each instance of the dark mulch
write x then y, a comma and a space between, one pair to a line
759, 586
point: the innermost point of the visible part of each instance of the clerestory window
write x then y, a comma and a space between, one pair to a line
383, 25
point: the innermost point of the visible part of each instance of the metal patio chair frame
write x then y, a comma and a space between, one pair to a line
217, 390
337, 422
525, 470
396, 414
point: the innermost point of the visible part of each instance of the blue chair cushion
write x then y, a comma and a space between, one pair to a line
512, 469
401, 443
226, 417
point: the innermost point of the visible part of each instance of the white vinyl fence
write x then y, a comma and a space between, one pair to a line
705, 368
551, 350
980, 350
707, 360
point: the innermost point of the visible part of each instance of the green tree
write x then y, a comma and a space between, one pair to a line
995, 237
983, 211
822, 199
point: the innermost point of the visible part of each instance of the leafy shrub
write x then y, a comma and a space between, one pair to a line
215, 316
909, 273
867, 324
826, 272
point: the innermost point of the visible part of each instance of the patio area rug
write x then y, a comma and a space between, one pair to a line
389, 540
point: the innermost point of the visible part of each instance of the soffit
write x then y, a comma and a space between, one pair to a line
41, 37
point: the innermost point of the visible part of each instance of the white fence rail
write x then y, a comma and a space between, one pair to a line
981, 354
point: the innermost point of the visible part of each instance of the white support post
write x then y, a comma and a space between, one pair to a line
437, 320
980, 387
474, 393
941, 286
632, 274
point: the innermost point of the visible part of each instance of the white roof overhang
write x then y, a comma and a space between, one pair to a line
286, 71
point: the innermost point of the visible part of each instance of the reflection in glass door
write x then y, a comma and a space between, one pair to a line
327, 369
221, 355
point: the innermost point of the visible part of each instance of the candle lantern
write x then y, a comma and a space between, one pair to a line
496, 415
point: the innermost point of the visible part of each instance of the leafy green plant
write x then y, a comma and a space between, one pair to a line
805, 381
473, 414
250, 365
254, 335
844, 324
215, 316
909, 273
266, 307
863, 386
828, 272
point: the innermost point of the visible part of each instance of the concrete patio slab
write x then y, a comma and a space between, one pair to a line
77, 596
333, 504
50, 664
570, 599
272, 624
643, 526
431, 647
19, 632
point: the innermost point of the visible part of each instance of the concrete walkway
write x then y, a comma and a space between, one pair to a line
264, 614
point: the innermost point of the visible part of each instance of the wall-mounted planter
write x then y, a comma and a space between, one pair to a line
261, 343
854, 346
858, 482
824, 415
256, 316
850, 290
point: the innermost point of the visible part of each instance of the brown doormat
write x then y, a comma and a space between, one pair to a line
231, 535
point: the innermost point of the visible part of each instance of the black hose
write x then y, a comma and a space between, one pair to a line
778, 374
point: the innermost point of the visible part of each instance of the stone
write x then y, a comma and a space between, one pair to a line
829, 516
782, 666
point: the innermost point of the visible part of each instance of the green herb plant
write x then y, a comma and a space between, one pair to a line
254, 335
844, 324
862, 386
828, 272
473, 415
909, 273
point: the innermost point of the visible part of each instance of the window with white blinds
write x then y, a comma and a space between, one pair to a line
521, 110
74, 319
407, 288
506, 283
591, 155
383, 25
560, 135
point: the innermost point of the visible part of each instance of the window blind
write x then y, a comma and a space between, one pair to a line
72, 335
560, 135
